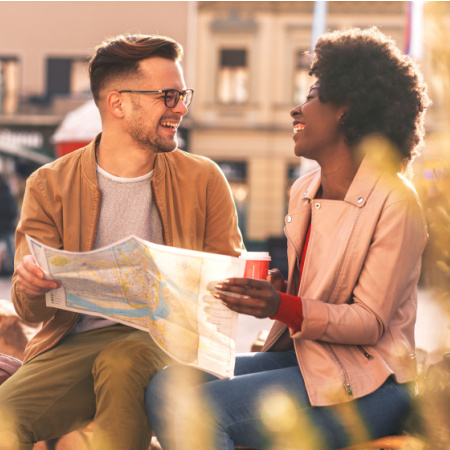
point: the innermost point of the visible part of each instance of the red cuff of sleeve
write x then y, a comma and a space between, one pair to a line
290, 311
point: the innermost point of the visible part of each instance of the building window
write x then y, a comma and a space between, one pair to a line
9, 85
233, 76
236, 174
302, 80
67, 76
293, 173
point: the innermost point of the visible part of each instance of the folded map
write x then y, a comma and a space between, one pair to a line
164, 290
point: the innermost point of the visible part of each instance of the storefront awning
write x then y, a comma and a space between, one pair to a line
14, 150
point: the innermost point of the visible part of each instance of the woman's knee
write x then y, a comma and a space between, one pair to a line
155, 393
167, 388
169, 384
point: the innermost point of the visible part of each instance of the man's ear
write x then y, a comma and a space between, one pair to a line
114, 103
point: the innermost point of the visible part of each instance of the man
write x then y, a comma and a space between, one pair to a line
130, 180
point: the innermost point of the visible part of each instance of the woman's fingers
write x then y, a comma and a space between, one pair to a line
275, 277
241, 285
248, 296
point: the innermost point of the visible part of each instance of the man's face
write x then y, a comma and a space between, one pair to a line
151, 124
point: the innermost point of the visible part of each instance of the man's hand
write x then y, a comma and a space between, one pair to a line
256, 298
31, 278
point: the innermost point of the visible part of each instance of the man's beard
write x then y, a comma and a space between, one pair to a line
155, 144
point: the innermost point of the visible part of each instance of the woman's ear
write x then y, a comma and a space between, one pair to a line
342, 113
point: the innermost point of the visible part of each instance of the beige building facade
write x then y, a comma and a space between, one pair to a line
250, 72
44, 49
41, 37
245, 61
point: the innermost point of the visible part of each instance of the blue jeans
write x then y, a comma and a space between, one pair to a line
265, 405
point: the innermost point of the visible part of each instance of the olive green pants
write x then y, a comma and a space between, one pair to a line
99, 375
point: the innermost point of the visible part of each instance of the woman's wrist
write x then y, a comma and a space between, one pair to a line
290, 311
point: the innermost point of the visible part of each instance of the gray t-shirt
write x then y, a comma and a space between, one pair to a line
126, 208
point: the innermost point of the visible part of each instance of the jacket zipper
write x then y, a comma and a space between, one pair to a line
341, 260
293, 248
364, 352
347, 387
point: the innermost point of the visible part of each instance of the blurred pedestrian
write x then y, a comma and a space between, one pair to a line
8, 216
338, 366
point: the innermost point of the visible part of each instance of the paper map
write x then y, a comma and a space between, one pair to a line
166, 291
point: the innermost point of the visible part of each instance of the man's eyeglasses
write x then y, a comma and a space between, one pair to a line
171, 96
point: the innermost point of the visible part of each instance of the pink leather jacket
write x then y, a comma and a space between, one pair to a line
359, 284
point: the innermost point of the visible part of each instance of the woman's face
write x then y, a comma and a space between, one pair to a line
316, 126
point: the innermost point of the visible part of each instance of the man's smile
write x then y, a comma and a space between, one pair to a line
170, 124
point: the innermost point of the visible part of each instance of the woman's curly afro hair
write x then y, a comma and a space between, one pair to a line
382, 87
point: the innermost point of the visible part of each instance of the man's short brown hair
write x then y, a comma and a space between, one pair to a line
119, 57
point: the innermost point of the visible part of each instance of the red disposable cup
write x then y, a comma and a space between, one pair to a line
257, 264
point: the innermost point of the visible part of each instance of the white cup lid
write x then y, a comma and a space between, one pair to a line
256, 256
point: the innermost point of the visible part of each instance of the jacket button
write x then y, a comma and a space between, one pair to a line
288, 219
317, 205
360, 200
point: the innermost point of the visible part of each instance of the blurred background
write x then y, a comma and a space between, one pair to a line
246, 62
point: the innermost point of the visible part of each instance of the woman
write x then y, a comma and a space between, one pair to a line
339, 362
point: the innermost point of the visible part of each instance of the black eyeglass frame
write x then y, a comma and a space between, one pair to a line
186, 96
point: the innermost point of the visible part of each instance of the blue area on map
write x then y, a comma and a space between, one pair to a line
177, 292
162, 311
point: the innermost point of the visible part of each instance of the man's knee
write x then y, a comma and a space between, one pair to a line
14, 431
127, 358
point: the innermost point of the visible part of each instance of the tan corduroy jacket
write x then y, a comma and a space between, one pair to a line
358, 287
61, 209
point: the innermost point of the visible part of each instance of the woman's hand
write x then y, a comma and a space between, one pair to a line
277, 280
256, 298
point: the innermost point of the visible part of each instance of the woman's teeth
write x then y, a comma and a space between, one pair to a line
299, 127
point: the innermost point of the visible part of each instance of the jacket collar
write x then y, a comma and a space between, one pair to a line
90, 168
362, 185
88, 163
314, 185
364, 182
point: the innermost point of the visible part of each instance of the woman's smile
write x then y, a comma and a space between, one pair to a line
299, 127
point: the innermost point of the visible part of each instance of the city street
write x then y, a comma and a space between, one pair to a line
432, 328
